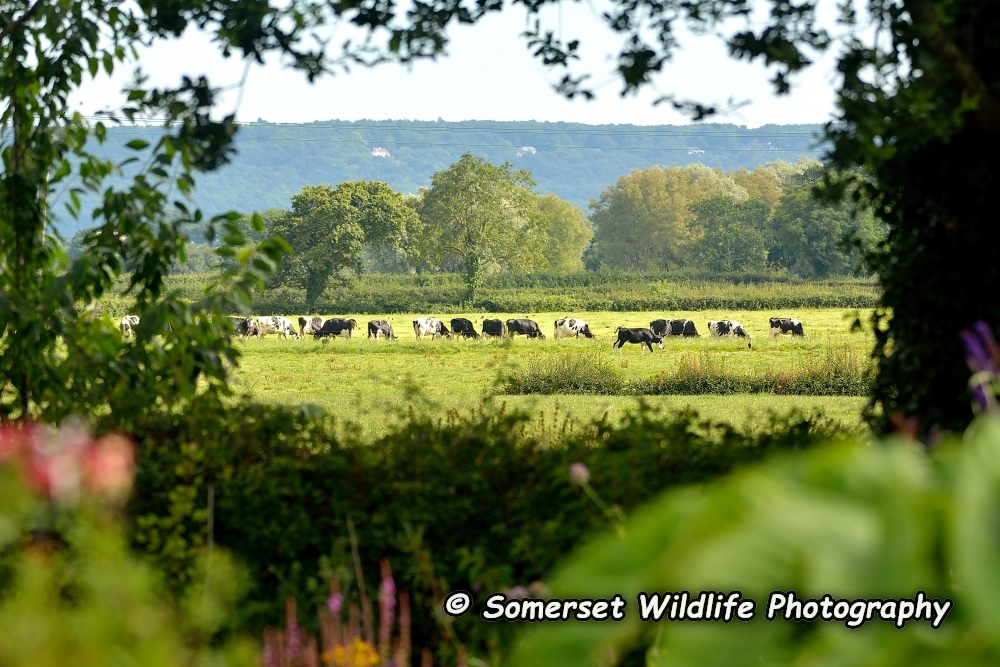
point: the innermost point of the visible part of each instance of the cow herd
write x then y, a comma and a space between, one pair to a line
566, 327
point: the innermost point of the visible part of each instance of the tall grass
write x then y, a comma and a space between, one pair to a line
565, 374
839, 372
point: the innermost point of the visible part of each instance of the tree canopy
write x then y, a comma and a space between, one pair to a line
477, 218
328, 229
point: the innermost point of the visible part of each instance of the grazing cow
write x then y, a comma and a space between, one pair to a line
494, 328
729, 328
380, 329
463, 327
786, 325
643, 337
336, 326
430, 325
673, 328
567, 327
128, 325
527, 327
261, 326
726, 328
241, 325
310, 325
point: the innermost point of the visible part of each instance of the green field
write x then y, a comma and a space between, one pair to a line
374, 383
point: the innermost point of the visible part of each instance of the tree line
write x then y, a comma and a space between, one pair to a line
480, 219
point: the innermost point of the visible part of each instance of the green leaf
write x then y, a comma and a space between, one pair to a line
137, 144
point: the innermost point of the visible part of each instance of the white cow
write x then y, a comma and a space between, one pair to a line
261, 326
128, 325
429, 325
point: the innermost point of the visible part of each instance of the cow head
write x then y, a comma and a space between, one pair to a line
586, 331
658, 340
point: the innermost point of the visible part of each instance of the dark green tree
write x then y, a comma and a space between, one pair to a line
328, 229
733, 234
817, 239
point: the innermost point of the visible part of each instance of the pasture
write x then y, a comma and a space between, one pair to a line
373, 384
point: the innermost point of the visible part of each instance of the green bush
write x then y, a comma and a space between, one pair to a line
480, 502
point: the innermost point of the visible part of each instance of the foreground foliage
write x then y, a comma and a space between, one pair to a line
855, 520
452, 503
71, 591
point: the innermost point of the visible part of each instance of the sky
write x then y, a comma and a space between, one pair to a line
487, 74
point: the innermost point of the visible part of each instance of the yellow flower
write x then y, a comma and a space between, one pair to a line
358, 654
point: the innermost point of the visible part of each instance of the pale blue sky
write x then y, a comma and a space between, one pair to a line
488, 73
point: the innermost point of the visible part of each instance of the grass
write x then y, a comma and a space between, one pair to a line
374, 384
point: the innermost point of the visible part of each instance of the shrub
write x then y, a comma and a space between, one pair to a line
480, 502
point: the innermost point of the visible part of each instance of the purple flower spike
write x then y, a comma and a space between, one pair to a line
990, 342
335, 603
979, 393
975, 353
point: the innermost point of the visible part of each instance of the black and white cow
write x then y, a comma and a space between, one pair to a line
430, 325
569, 326
261, 326
528, 328
241, 325
380, 329
310, 325
494, 328
733, 328
336, 326
463, 327
643, 337
673, 328
128, 325
786, 325
718, 328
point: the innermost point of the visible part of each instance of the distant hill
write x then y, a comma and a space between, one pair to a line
573, 160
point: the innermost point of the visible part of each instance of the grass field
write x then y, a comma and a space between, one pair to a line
374, 383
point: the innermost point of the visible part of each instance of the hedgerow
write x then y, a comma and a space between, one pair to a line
585, 291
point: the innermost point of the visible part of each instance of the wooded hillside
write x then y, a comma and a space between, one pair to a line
572, 160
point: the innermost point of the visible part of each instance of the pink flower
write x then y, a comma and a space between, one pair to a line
335, 603
518, 592
109, 466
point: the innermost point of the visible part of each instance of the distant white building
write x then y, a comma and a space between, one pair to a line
378, 151
694, 151
526, 150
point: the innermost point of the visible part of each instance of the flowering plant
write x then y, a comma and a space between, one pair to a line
71, 592
983, 356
